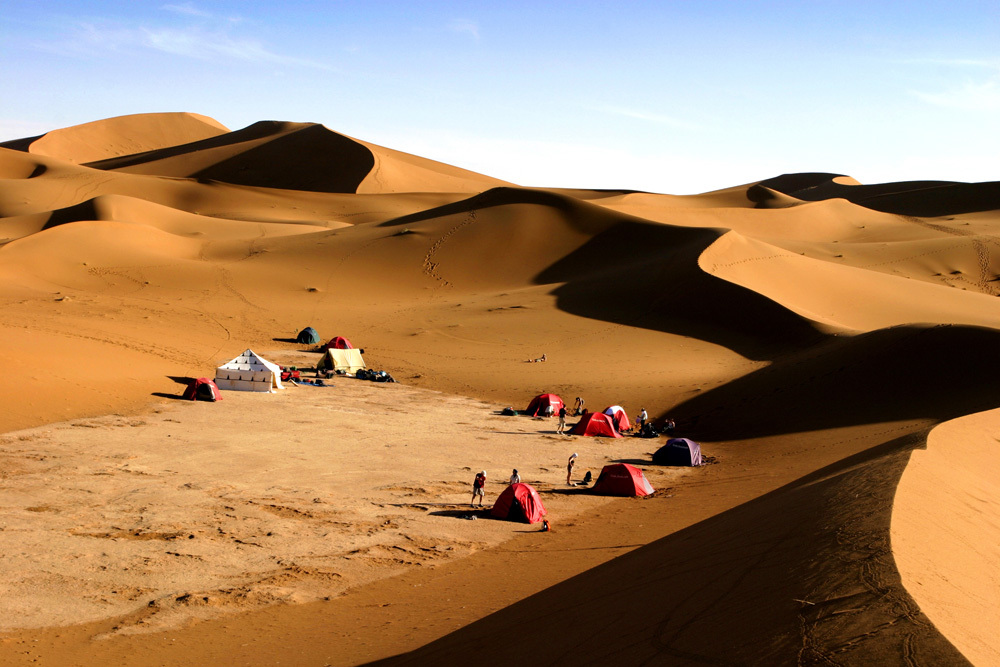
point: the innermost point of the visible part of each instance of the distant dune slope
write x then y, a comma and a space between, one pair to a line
300, 156
918, 198
123, 135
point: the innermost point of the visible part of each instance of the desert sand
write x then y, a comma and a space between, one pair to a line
831, 344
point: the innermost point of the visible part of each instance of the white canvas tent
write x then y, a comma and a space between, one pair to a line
349, 361
248, 372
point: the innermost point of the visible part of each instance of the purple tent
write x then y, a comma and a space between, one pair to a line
678, 452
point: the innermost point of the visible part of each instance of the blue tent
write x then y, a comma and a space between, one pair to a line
307, 336
678, 452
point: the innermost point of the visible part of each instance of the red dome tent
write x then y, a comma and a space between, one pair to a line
617, 414
202, 389
538, 404
519, 502
338, 343
621, 479
595, 423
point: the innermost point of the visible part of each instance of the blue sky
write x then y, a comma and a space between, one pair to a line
676, 96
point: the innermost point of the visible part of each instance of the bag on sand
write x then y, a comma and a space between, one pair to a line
509, 411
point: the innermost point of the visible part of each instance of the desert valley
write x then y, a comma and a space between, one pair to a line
832, 345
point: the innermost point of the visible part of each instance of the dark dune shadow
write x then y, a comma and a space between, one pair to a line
85, 210
895, 374
677, 295
803, 575
20, 144
632, 257
276, 155
917, 198
499, 196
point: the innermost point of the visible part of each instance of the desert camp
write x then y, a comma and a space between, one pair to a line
326, 327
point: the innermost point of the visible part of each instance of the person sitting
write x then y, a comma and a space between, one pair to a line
515, 478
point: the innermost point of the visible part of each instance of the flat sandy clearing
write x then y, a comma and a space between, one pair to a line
199, 508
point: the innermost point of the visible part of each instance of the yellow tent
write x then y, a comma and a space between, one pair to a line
349, 361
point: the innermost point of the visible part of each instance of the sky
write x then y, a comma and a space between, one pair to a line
674, 96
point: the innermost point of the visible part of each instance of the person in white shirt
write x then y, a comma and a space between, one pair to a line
515, 478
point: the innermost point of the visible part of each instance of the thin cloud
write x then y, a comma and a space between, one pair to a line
650, 117
187, 9
464, 26
976, 93
984, 96
96, 38
205, 45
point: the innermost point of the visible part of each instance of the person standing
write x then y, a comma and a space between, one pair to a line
640, 421
569, 468
478, 488
562, 420
578, 406
515, 478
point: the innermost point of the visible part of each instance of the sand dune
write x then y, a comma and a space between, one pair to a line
300, 156
123, 135
808, 329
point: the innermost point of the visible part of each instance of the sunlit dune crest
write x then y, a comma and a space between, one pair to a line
831, 345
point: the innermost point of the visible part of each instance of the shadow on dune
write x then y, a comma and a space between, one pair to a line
803, 575
269, 154
917, 198
646, 275
642, 274
902, 373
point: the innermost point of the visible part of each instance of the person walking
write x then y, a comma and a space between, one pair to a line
515, 478
562, 420
569, 469
478, 488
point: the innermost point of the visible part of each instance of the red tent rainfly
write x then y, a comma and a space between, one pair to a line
338, 343
202, 389
617, 414
542, 401
519, 502
622, 479
595, 423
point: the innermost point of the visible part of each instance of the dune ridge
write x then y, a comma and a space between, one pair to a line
808, 329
